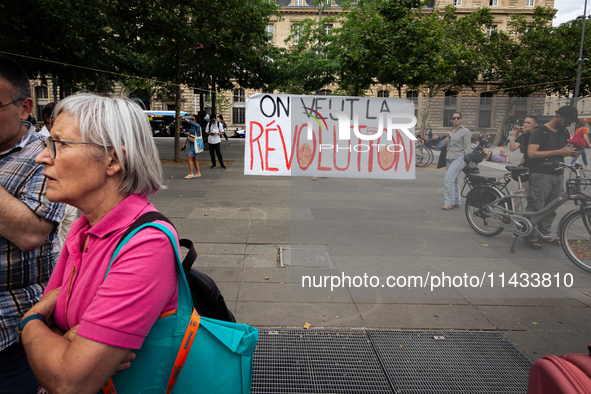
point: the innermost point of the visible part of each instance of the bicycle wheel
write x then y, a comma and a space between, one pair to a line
575, 235
431, 156
421, 156
479, 214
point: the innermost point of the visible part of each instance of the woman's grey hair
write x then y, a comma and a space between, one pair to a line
117, 123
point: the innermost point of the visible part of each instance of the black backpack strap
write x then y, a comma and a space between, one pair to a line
150, 217
191, 255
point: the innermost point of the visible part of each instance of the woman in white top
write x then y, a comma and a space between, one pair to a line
458, 144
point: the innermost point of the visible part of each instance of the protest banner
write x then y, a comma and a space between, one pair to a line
329, 136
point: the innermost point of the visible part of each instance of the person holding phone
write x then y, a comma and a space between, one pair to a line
521, 142
547, 144
214, 129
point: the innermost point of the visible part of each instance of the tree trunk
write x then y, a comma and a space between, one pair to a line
61, 83
508, 108
177, 101
213, 97
54, 85
426, 114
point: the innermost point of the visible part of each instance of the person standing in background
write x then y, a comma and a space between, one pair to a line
214, 129
522, 142
458, 144
582, 129
46, 113
192, 155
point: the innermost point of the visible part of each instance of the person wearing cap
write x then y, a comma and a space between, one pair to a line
548, 143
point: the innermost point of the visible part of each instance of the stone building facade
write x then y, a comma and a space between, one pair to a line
481, 109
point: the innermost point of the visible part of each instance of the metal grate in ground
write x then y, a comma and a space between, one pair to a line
451, 361
316, 361
387, 361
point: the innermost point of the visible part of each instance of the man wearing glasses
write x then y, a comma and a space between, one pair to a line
548, 143
29, 245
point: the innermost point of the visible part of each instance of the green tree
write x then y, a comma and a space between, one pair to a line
48, 36
525, 59
305, 66
461, 55
195, 42
355, 47
569, 36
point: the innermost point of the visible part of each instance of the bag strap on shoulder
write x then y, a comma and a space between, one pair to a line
153, 216
146, 221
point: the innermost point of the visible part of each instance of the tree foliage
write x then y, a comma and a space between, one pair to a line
48, 34
525, 58
568, 35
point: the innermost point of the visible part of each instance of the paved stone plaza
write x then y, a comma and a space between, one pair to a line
337, 228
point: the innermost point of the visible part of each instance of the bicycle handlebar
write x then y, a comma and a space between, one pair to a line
563, 165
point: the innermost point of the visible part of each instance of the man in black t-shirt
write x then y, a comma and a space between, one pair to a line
548, 143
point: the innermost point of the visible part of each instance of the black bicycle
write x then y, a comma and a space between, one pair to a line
490, 208
424, 155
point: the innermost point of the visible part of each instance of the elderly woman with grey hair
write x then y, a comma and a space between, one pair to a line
101, 159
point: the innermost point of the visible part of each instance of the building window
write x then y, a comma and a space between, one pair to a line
39, 112
494, 3
207, 98
270, 32
41, 99
238, 95
414, 97
41, 92
451, 98
530, 3
485, 110
325, 92
450, 106
299, 3
457, 3
327, 29
521, 108
383, 93
490, 29
296, 32
171, 107
238, 115
486, 98
68, 92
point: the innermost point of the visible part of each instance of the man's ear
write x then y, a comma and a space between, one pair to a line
114, 163
26, 108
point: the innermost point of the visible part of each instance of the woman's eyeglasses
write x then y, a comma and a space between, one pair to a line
50, 144
456, 118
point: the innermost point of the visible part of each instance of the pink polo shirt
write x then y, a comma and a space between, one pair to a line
142, 281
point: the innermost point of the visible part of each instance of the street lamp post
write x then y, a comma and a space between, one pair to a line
319, 26
580, 66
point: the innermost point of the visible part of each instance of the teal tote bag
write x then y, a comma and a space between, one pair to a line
218, 361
